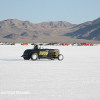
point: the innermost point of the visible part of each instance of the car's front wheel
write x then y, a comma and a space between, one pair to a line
34, 56
60, 57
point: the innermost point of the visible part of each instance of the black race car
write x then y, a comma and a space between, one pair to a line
35, 54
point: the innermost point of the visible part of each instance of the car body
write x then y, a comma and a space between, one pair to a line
35, 54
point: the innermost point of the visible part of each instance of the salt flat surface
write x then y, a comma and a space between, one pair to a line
77, 77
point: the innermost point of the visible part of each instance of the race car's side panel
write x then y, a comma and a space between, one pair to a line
42, 53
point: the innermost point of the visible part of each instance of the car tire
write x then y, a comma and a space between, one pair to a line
34, 56
60, 57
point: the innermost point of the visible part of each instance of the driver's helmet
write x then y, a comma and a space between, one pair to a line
37, 47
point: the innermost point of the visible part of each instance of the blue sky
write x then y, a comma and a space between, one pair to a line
37, 11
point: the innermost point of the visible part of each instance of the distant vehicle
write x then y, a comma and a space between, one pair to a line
75, 44
38, 53
85, 44
1, 43
24, 44
12, 43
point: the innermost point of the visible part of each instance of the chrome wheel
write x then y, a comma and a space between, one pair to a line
60, 57
34, 56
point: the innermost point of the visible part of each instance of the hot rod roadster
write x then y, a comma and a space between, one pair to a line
35, 54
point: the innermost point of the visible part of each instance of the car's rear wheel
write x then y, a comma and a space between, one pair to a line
34, 56
60, 57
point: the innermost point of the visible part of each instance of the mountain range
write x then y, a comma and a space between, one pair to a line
14, 30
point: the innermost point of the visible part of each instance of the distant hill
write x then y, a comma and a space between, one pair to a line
13, 30
89, 31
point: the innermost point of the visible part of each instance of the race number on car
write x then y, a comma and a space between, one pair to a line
43, 53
